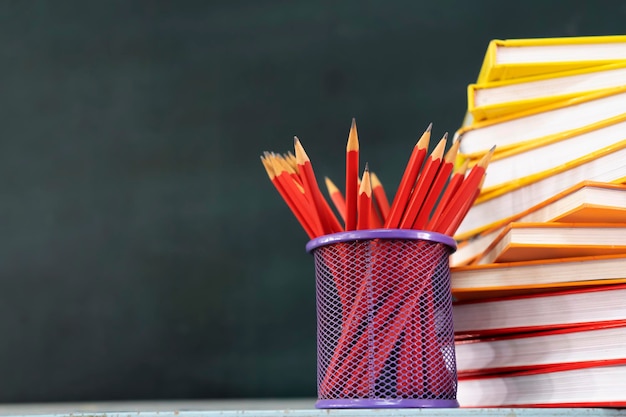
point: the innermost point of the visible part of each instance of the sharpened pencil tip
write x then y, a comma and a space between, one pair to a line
353, 138
367, 168
366, 182
437, 153
430, 127
452, 152
330, 186
445, 136
301, 156
484, 161
424, 140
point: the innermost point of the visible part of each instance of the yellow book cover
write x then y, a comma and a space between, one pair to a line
498, 207
507, 59
496, 99
515, 278
536, 241
585, 161
519, 129
558, 139
547, 155
585, 202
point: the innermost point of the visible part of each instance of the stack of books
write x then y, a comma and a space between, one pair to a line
539, 276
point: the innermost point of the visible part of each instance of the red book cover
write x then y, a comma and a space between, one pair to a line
591, 384
543, 311
544, 349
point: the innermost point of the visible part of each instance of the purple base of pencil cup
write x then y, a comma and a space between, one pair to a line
383, 403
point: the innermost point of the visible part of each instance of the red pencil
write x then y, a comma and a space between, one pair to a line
300, 211
455, 182
421, 321
336, 197
365, 201
352, 177
380, 197
456, 222
424, 181
376, 222
408, 180
291, 159
464, 193
443, 175
326, 217
392, 316
286, 164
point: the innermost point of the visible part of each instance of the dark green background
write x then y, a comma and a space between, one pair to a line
143, 252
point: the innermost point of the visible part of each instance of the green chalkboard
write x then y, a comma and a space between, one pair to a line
144, 252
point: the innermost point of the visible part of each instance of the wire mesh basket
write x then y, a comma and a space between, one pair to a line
385, 336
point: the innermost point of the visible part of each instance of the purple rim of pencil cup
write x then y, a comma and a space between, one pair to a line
407, 234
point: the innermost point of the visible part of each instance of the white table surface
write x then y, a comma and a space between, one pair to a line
278, 407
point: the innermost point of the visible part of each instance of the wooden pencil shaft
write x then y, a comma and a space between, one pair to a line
337, 198
411, 171
450, 190
380, 197
352, 175
456, 221
433, 194
297, 211
364, 208
422, 186
436, 185
297, 199
310, 185
465, 192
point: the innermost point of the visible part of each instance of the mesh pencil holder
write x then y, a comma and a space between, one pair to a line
384, 320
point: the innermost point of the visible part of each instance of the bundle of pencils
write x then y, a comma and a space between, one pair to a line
432, 194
